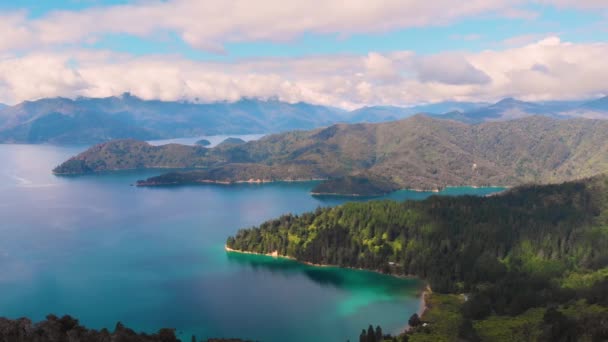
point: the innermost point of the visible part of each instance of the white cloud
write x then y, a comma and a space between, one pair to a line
210, 24
544, 70
581, 4
449, 68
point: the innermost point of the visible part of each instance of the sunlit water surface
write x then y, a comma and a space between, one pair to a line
103, 251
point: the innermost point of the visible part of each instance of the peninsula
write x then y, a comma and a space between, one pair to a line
371, 159
533, 259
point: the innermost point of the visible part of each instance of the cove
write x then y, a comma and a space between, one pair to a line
103, 251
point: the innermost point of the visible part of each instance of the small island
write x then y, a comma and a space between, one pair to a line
203, 142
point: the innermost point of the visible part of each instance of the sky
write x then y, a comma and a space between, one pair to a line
339, 53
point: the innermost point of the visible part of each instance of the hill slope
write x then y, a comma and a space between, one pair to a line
418, 152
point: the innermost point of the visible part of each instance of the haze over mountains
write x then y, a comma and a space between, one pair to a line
90, 120
94, 120
417, 152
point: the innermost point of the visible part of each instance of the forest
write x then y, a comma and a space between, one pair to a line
535, 246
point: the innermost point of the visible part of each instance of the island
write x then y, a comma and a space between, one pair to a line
528, 264
203, 142
419, 152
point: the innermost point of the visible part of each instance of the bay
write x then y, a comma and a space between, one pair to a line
103, 251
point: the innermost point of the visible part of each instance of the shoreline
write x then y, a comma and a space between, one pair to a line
423, 306
268, 181
435, 190
276, 255
219, 182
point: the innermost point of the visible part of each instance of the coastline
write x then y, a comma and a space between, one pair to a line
145, 183
424, 305
276, 254
422, 309
434, 190
219, 182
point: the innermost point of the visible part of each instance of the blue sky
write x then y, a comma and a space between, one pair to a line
473, 34
237, 34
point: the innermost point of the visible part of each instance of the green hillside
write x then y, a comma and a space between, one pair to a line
419, 152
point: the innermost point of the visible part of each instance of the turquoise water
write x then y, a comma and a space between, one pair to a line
99, 249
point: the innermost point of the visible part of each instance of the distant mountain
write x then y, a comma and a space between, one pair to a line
510, 108
92, 120
390, 113
379, 114
231, 142
448, 106
600, 104
506, 109
419, 152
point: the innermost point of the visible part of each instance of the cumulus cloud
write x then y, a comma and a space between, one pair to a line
583, 4
450, 68
208, 25
544, 70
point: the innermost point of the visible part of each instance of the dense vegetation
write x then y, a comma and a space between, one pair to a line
533, 247
418, 152
68, 329
355, 185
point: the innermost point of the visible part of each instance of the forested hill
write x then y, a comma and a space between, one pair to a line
454, 242
531, 247
418, 152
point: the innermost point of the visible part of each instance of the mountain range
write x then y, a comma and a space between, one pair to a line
419, 152
93, 120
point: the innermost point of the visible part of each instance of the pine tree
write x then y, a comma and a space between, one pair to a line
371, 335
363, 336
379, 336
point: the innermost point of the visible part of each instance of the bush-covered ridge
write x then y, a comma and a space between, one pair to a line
454, 242
418, 153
